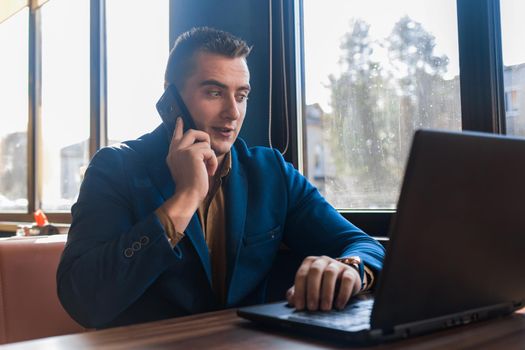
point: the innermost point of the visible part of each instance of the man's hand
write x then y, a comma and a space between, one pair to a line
191, 162
315, 284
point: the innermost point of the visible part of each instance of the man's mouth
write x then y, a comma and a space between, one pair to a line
224, 131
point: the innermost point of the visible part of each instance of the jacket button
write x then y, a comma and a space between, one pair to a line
136, 246
144, 240
128, 252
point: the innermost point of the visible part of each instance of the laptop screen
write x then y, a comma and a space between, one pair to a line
458, 236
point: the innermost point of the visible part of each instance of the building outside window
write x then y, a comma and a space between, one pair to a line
513, 64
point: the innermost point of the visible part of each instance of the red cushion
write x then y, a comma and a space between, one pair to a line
29, 306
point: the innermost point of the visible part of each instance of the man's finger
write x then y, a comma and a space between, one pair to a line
210, 159
300, 284
313, 283
350, 285
192, 136
179, 130
330, 276
289, 295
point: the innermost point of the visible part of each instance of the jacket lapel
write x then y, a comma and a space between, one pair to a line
196, 236
236, 194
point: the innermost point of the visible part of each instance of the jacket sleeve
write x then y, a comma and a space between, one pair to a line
110, 258
314, 227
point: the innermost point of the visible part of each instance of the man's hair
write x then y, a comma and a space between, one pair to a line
201, 39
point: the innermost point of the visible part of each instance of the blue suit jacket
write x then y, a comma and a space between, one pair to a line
119, 268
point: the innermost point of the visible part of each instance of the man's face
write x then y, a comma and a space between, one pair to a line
216, 96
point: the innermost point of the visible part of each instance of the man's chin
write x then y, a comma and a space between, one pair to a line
221, 150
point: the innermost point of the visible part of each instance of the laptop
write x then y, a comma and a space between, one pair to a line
457, 245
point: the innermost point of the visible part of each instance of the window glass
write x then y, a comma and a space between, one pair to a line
371, 78
512, 25
13, 112
65, 101
137, 52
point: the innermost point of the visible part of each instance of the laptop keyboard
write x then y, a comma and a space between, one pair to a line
354, 317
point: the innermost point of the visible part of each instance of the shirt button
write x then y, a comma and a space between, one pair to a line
136, 246
128, 252
144, 240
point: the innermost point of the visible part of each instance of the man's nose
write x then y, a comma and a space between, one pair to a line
231, 108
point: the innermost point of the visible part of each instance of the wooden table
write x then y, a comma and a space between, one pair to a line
224, 330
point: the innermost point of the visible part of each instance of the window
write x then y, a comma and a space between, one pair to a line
52, 44
137, 52
371, 78
65, 102
513, 64
13, 113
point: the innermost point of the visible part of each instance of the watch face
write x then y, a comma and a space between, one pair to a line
351, 260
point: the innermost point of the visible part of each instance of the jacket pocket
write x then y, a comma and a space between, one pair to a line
259, 238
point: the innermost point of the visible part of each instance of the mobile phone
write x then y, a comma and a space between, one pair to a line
171, 106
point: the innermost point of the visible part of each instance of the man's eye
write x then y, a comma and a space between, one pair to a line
241, 98
214, 93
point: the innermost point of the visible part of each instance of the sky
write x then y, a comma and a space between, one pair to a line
513, 30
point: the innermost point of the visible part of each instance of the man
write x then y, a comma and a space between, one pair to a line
171, 225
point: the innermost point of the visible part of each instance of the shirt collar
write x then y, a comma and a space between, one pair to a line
226, 165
